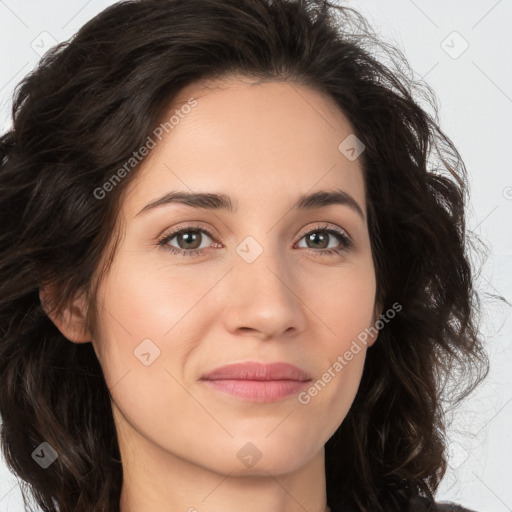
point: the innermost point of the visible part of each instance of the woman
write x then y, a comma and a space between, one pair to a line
294, 356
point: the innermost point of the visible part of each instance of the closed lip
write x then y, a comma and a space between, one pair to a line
258, 371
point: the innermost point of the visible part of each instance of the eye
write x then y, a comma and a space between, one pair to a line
189, 240
320, 237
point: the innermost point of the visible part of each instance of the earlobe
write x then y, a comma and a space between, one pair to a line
70, 320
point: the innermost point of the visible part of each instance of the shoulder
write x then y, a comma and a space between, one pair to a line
420, 504
448, 506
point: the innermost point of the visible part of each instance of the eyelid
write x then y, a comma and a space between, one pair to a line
191, 226
211, 231
327, 226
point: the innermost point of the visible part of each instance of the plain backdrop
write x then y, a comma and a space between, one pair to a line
462, 50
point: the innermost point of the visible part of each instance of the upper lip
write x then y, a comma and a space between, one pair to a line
257, 371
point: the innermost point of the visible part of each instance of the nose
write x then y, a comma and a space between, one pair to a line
263, 300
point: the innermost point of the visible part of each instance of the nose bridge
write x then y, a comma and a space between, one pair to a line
262, 265
263, 297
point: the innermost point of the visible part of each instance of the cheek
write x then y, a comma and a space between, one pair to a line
330, 395
142, 342
345, 306
346, 311
149, 300
150, 308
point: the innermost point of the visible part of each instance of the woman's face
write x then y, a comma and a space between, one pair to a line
266, 285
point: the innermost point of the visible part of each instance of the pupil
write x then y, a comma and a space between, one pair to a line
314, 237
190, 237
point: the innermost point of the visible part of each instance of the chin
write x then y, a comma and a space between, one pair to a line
250, 456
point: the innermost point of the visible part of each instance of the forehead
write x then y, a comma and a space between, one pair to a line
247, 139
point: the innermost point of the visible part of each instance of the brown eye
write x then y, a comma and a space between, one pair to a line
320, 238
318, 241
188, 241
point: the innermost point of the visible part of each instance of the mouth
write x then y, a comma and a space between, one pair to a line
258, 390
258, 382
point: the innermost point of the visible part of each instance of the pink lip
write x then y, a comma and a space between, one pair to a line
258, 382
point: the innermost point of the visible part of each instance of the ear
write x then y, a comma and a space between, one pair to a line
70, 320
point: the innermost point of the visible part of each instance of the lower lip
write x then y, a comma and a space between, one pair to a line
259, 390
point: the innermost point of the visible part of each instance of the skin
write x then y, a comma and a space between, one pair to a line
264, 145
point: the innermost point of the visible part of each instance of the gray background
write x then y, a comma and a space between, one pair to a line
474, 90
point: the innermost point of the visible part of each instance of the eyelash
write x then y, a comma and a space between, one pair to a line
345, 240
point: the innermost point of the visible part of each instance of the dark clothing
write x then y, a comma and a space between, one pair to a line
418, 504
452, 507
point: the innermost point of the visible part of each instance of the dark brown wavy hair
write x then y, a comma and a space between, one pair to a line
93, 100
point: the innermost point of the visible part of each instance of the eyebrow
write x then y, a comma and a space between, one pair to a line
212, 201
